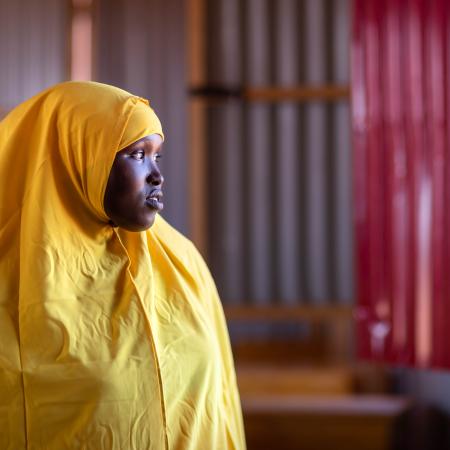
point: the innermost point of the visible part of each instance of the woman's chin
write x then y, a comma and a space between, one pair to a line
136, 224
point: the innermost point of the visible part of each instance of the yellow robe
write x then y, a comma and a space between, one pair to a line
108, 339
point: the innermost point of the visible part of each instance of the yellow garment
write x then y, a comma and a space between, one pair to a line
109, 339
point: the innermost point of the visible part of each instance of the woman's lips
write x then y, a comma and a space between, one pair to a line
154, 200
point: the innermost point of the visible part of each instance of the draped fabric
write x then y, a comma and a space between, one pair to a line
109, 339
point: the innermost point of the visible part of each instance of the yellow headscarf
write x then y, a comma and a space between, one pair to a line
108, 339
142, 122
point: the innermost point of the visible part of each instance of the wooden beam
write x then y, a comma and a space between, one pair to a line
273, 94
299, 94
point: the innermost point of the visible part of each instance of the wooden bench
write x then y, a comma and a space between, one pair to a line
306, 391
352, 422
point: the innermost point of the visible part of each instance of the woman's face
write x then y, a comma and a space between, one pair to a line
133, 192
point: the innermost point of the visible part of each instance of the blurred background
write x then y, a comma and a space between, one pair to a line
274, 167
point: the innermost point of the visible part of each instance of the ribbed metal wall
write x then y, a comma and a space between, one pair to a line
280, 173
33, 44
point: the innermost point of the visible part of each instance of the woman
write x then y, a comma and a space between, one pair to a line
111, 332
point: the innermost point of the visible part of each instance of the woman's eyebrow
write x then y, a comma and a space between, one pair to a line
157, 148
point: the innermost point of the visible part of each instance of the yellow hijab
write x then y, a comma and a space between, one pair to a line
108, 339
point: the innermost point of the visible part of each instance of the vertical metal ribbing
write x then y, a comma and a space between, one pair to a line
260, 178
55, 33
342, 263
286, 156
9, 46
4, 46
233, 152
137, 44
109, 57
226, 154
33, 54
342, 251
317, 212
173, 75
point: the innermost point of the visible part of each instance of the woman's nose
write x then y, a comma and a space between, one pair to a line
155, 177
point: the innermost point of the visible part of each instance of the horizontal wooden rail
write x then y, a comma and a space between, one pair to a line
271, 94
359, 405
278, 313
305, 93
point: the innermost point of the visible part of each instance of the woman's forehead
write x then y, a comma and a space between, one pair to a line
152, 142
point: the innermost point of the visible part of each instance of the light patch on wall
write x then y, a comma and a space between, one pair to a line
424, 304
81, 40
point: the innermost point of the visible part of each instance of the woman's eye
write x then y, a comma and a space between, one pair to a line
138, 154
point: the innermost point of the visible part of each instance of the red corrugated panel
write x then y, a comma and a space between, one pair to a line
400, 103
